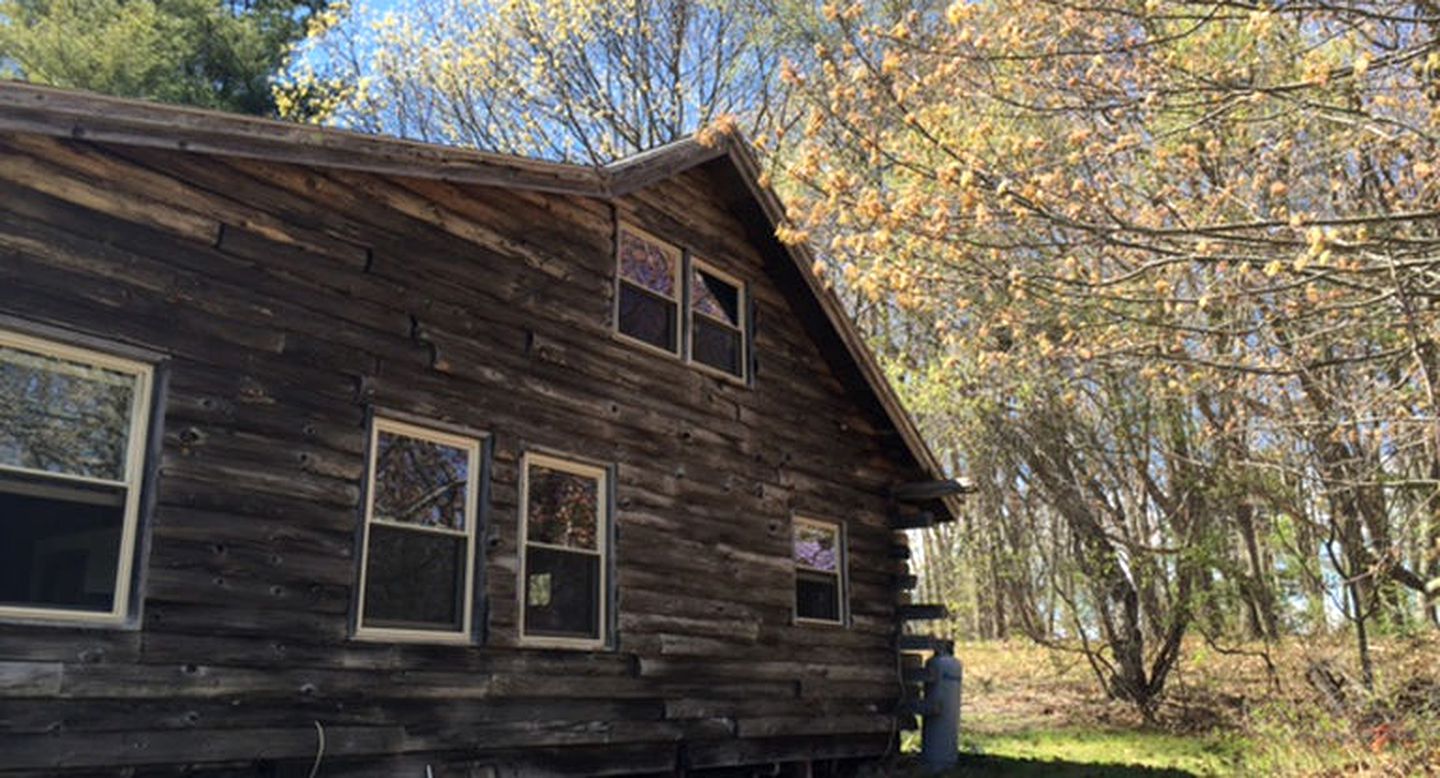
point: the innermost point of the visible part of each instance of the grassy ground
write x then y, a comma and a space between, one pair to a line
1077, 751
1033, 712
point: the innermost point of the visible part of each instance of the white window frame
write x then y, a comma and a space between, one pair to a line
602, 549
678, 255
472, 446
137, 444
842, 567
742, 302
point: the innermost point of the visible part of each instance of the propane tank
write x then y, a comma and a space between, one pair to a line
940, 732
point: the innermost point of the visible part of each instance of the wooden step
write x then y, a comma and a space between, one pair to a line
899, 551
921, 612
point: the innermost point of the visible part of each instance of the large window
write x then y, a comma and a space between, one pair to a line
564, 537
417, 567
819, 571
649, 294
73, 426
717, 323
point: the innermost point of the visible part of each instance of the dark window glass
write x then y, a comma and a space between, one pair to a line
61, 545
716, 298
562, 593
414, 579
817, 596
648, 317
717, 346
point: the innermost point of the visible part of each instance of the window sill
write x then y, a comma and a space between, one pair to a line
46, 617
801, 621
718, 373
643, 345
570, 644
383, 635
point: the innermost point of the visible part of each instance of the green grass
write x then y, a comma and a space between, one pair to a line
1077, 752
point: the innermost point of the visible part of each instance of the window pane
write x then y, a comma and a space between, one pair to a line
58, 416
414, 579
648, 264
817, 547
717, 346
817, 596
564, 508
420, 482
648, 318
562, 593
60, 546
717, 298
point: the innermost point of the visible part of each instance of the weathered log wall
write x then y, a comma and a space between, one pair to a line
290, 299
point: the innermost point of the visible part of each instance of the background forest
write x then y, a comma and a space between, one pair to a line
1161, 278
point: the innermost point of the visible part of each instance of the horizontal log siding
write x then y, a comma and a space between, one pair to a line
289, 299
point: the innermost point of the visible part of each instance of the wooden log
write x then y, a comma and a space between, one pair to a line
921, 643
30, 679
921, 612
140, 748
912, 520
926, 491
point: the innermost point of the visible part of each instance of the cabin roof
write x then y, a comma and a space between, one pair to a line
27, 108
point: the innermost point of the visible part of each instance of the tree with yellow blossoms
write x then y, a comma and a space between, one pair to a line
1177, 271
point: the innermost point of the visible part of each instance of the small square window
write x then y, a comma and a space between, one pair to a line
648, 297
819, 553
73, 428
564, 527
418, 554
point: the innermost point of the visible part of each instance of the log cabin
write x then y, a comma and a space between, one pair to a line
326, 454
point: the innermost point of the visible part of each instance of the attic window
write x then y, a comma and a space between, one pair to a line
656, 281
819, 550
648, 300
73, 426
717, 325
